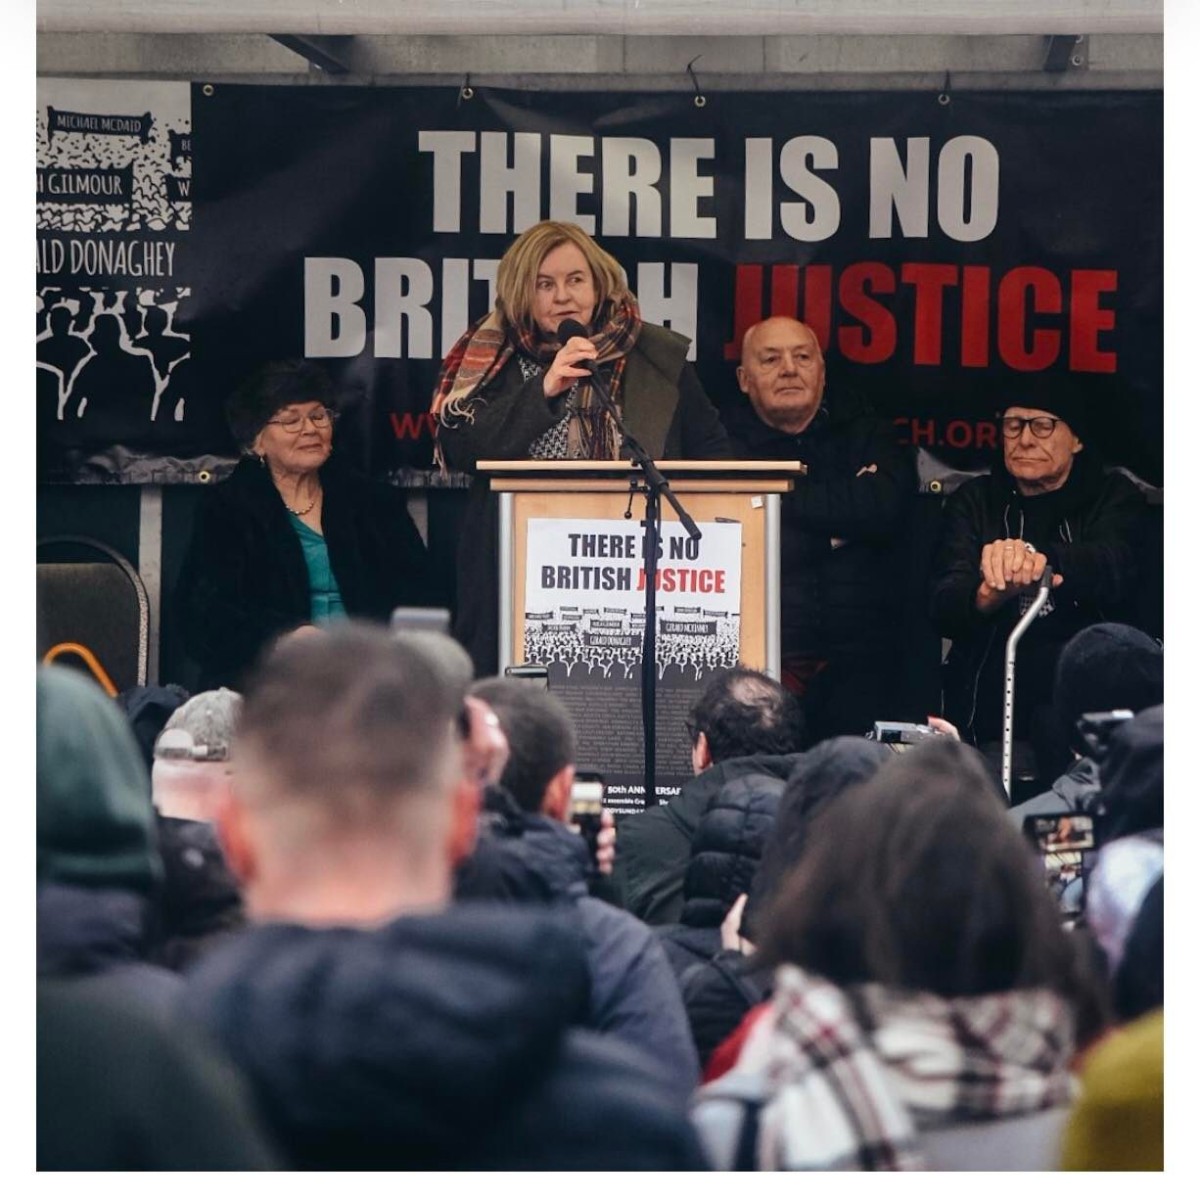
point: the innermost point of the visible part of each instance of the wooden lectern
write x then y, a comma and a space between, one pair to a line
589, 494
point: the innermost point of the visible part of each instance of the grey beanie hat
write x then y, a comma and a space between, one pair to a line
202, 729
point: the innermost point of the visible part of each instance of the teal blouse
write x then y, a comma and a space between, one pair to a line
325, 599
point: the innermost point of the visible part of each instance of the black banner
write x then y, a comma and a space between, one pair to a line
946, 253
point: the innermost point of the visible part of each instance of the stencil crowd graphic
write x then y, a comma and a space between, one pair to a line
95, 348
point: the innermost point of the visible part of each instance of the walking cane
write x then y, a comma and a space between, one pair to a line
1010, 675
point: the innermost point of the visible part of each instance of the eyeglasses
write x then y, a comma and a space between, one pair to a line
1042, 427
321, 418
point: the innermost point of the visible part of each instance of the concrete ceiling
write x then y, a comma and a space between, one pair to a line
647, 17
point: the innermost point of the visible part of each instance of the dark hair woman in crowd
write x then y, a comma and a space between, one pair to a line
510, 388
927, 1003
292, 539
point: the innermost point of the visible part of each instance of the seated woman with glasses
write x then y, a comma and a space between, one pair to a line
292, 539
1048, 503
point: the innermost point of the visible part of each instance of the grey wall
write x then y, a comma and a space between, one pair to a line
914, 61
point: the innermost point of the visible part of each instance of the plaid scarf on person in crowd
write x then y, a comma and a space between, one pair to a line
482, 352
847, 1078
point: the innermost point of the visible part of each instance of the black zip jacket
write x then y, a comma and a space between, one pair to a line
838, 524
1089, 530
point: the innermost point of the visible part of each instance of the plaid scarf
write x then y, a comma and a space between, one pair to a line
848, 1077
481, 353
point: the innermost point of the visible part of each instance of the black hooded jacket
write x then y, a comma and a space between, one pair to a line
436, 1042
838, 524
1089, 530
633, 995
1130, 799
244, 581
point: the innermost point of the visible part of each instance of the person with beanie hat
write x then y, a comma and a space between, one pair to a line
1102, 668
1047, 504
201, 901
293, 538
98, 865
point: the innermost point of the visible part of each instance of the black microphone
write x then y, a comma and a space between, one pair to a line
566, 331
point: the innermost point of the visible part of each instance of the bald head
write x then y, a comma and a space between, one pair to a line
782, 373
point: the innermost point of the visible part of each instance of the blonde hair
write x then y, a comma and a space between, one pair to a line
517, 274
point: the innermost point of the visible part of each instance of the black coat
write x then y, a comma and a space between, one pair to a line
436, 1042
837, 525
655, 847
200, 902
664, 406
244, 581
1089, 530
633, 995
718, 994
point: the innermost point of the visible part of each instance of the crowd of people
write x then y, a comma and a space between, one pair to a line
343, 902
349, 920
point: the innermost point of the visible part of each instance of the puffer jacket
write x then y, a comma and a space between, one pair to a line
726, 849
527, 857
654, 848
436, 1042
718, 993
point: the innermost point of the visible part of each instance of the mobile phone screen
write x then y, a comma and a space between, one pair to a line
1067, 844
587, 807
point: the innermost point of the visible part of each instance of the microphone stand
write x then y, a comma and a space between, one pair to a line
656, 486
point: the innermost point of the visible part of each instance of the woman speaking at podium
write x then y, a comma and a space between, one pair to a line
513, 387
